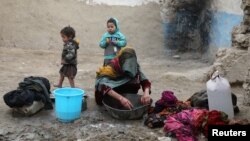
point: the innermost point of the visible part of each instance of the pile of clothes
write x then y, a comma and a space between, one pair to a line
31, 91
166, 106
186, 125
186, 120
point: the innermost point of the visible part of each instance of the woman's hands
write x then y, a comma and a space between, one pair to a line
126, 103
145, 99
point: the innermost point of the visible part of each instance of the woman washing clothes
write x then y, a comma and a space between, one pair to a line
123, 75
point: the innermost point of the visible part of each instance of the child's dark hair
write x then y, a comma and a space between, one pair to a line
112, 20
68, 31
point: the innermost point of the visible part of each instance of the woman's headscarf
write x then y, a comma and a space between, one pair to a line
125, 63
122, 69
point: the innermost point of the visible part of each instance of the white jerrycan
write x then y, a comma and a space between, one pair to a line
219, 95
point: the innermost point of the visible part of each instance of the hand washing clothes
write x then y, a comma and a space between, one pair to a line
122, 75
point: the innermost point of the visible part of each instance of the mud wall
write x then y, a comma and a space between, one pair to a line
226, 15
186, 24
241, 41
195, 25
233, 63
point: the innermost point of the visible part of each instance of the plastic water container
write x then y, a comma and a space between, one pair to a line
219, 96
68, 103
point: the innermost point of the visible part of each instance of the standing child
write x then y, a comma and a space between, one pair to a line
69, 56
112, 41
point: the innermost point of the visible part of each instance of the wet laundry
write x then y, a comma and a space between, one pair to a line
214, 118
164, 107
186, 125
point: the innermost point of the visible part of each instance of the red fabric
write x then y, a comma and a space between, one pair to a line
168, 99
116, 65
100, 93
180, 125
215, 118
187, 124
175, 126
198, 117
145, 84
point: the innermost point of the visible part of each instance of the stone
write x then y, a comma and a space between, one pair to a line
240, 29
78, 121
231, 63
246, 84
30, 136
241, 41
246, 87
164, 139
247, 10
246, 19
176, 56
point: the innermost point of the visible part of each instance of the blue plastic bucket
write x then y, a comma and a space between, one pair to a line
68, 103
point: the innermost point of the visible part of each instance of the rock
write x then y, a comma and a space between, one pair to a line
241, 34
30, 136
246, 87
3, 132
164, 139
231, 63
244, 4
241, 40
247, 10
241, 29
246, 19
121, 131
78, 121
141, 138
246, 84
176, 57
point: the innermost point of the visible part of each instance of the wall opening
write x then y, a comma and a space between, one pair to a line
187, 25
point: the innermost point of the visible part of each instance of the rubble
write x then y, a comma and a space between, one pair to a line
241, 40
246, 86
231, 64
241, 37
241, 33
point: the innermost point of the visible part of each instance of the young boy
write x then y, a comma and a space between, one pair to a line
112, 41
69, 56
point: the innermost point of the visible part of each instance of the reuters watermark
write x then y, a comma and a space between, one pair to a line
241, 132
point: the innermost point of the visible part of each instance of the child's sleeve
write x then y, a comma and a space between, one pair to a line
103, 42
122, 41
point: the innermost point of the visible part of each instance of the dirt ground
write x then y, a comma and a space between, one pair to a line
30, 45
